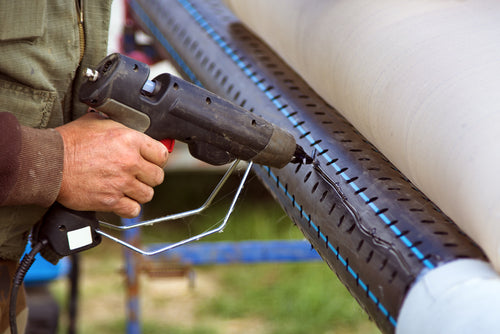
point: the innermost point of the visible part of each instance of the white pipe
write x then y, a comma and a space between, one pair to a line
462, 296
419, 79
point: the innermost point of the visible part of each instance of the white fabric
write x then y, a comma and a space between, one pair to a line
419, 78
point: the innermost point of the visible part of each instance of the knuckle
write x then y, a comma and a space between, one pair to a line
127, 209
160, 176
148, 195
164, 158
144, 195
127, 135
131, 163
136, 161
110, 202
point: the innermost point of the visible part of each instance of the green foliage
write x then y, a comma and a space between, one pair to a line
292, 298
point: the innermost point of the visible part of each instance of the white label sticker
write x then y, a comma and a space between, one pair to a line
79, 238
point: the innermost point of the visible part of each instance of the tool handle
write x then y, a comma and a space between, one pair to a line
68, 231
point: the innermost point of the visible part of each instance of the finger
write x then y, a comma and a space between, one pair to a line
139, 192
154, 151
150, 174
127, 208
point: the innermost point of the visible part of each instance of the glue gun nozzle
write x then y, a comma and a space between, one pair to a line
301, 157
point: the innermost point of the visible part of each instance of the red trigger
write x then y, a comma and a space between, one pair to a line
169, 144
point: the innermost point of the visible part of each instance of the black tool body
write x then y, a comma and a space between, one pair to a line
216, 130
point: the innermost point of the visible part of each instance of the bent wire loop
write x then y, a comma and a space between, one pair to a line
184, 214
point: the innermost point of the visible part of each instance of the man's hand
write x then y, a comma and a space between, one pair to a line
108, 167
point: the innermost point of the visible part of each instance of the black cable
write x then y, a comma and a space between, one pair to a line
74, 276
18, 279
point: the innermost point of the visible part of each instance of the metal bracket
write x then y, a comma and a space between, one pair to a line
184, 214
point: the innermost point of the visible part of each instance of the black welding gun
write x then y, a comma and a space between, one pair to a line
216, 130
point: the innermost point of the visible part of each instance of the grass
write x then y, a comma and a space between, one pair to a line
290, 298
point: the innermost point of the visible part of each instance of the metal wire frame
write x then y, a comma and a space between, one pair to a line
184, 214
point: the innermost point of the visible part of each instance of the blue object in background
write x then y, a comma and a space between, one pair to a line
257, 251
42, 271
132, 236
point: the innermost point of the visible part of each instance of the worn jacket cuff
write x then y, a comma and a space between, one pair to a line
40, 168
